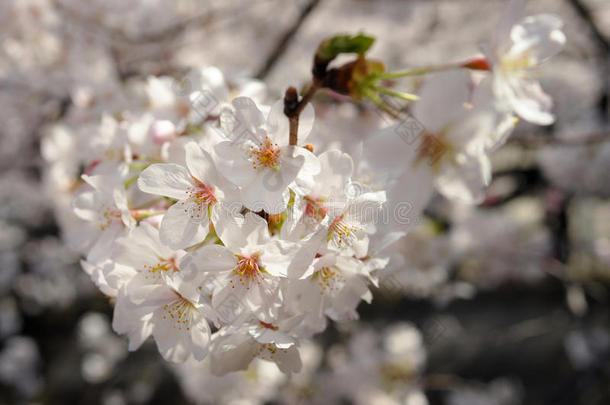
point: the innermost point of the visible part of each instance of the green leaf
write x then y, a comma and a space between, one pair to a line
333, 46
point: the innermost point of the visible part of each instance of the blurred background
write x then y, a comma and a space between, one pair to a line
505, 303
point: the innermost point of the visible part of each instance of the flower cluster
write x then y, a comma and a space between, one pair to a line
219, 231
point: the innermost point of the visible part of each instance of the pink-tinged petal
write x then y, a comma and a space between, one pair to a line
181, 228
200, 164
166, 179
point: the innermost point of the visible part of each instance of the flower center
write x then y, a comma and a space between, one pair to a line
521, 61
432, 148
199, 198
109, 215
343, 234
328, 279
265, 155
247, 271
181, 312
156, 271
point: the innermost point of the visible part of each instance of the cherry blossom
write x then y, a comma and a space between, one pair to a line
198, 189
520, 45
258, 158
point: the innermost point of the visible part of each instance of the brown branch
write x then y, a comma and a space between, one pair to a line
281, 46
293, 108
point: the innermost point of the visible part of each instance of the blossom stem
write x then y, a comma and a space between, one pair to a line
417, 72
398, 94
143, 214
383, 106
476, 63
293, 107
129, 182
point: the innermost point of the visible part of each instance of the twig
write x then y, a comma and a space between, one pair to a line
281, 46
293, 108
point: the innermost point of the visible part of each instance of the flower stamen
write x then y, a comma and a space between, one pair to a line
265, 155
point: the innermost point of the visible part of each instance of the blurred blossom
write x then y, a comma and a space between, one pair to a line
103, 85
11, 237
19, 362
496, 246
426, 255
578, 168
498, 392
10, 319
587, 348
20, 200
256, 385
381, 367
103, 349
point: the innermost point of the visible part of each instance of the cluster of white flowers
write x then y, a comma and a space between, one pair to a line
222, 239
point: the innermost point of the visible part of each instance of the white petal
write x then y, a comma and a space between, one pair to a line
247, 113
179, 229
465, 182
526, 98
209, 258
239, 232
540, 36
166, 179
268, 192
86, 205
277, 256
278, 124
442, 99
200, 164
233, 164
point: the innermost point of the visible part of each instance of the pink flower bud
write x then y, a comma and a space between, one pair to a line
162, 131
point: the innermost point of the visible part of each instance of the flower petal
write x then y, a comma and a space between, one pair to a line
180, 230
166, 179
